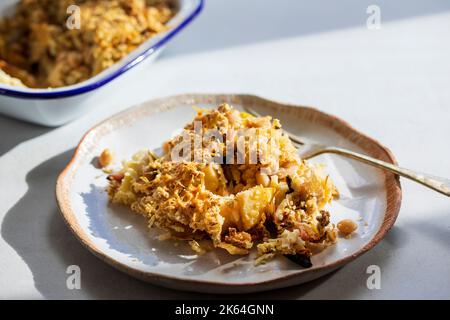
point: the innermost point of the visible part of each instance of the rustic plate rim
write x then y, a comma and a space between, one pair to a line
391, 185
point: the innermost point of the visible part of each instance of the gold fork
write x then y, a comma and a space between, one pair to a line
309, 149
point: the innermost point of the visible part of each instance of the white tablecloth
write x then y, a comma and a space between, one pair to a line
392, 83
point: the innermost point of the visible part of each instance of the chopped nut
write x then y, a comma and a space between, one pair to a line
116, 177
347, 226
105, 158
262, 179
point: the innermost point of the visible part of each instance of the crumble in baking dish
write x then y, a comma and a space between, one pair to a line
44, 52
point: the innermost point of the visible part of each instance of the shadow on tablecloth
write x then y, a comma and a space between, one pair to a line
14, 132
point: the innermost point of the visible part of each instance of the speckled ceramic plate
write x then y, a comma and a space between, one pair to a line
368, 195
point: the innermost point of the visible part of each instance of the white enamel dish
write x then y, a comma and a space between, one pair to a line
369, 196
54, 107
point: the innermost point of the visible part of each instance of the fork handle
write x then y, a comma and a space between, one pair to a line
438, 184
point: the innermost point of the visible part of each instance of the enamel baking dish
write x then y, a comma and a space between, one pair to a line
54, 107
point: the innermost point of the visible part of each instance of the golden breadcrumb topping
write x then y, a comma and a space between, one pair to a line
239, 191
45, 52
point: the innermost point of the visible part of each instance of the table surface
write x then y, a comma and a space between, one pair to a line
392, 83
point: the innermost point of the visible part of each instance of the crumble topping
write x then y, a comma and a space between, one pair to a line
44, 52
274, 203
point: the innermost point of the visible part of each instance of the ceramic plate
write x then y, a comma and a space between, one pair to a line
368, 195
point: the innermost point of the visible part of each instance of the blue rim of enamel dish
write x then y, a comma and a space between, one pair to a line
108, 78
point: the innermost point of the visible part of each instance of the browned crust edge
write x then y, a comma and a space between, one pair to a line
371, 146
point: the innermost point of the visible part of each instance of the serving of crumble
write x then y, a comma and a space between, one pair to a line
233, 179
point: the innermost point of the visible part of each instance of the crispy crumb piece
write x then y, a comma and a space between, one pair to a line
264, 258
196, 247
105, 158
240, 239
347, 227
233, 249
165, 236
